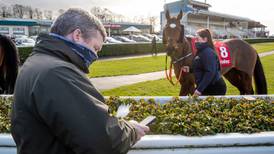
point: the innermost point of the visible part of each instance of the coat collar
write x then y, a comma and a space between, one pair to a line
51, 45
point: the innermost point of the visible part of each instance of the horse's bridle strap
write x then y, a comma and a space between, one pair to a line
182, 58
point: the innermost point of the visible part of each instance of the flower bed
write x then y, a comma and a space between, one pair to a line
196, 120
197, 117
189, 117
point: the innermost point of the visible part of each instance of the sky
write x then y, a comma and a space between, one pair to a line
262, 10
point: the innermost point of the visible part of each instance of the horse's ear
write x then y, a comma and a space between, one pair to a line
167, 15
180, 15
182, 34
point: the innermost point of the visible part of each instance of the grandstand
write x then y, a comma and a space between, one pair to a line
197, 15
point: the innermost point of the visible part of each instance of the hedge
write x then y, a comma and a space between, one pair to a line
5, 110
126, 49
108, 50
259, 40
193, 117
24, 53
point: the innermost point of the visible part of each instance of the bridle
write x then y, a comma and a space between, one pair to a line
182, 58
182, 69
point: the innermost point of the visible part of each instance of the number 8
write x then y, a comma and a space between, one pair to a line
224, 53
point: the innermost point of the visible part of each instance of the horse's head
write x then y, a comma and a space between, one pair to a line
173, 33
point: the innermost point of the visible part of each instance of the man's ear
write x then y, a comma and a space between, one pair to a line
76, 35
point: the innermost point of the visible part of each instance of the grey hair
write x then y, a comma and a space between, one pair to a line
74, 19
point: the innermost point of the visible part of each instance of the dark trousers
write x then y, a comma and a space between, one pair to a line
218, 88
154, 50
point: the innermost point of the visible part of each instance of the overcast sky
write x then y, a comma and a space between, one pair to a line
262, 10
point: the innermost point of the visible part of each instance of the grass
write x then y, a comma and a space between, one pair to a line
144, 65
263, 47
269, 71
127, 67
164, 88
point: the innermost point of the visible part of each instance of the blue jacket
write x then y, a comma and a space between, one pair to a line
206, 67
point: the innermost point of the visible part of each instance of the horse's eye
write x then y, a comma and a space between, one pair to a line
172, 25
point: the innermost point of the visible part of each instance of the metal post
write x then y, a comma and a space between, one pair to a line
207, 22
225, 32
224, 24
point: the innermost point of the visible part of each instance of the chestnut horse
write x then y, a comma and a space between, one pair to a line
245, 60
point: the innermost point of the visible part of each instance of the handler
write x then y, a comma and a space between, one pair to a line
206, 66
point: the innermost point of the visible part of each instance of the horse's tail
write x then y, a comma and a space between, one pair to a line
259, 77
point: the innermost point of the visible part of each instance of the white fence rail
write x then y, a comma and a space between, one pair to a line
260, 143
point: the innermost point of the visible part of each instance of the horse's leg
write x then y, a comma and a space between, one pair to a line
247, 83
241, 80
187, 89
235, 79
187, 85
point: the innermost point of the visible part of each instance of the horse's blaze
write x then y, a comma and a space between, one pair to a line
172, 25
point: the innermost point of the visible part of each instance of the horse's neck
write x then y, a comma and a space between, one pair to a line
186, 47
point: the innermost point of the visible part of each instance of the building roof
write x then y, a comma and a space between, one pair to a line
124, 25
202, 4
132, 29
177, 7
36, 22
45, 22
255, 24
25, 22
18, 22
222, 15
128, 23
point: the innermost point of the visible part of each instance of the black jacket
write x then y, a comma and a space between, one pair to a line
58, 111
206, 67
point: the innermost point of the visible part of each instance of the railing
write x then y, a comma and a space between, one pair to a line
259, 143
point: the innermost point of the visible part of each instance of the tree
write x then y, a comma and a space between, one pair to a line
38, 14
18, 11
103, 14
30, 12
96, 11
152, 22
4, 11
61, 11
48, 14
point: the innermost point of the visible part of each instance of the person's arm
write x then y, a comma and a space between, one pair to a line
209, 63
76, 118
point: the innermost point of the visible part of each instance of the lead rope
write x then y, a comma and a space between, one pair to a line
169, 75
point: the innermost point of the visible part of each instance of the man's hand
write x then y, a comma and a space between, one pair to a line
141, 130
197, 93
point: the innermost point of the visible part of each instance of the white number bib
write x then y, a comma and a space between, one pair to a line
224, 53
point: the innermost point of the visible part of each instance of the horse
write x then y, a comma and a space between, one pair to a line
245, 62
